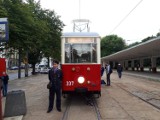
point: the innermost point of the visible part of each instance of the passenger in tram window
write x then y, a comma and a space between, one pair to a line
119, 70
108, 73
55, 77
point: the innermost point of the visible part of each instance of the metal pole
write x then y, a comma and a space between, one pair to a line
19, 64
26, 64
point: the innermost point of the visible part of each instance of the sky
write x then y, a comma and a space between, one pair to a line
133, 20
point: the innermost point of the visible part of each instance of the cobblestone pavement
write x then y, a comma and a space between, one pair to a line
123, 104
116, 103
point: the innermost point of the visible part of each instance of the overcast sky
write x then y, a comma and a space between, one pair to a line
105, 15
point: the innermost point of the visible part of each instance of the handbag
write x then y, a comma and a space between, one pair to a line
49, 85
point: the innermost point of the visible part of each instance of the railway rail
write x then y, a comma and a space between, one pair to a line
150, 97
88, 103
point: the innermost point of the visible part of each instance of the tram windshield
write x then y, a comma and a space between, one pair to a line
81, 53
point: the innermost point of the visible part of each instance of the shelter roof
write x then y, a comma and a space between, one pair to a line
146, 49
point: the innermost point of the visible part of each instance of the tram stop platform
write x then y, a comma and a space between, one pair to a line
37, 95
146, 75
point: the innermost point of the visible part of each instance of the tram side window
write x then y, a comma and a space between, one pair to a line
94, 53
67, 53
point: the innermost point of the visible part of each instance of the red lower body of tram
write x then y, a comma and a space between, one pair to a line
81, 78
3, 67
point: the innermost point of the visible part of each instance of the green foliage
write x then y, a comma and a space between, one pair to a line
133, 44
3, 12
53, 38
148, 38
32, 30
111, 44
158, 34
144, 40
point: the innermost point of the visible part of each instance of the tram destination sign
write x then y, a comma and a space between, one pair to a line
4, 32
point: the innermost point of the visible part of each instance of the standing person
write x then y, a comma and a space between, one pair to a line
119, 70
1, 84
5, 79
108, 73
55, 77
102, 70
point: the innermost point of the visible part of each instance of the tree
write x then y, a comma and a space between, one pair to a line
48, 39
3, 12
54, 36
38, 32
111, 44
148, 38
17, 15
158, 34
133, 44
33, 31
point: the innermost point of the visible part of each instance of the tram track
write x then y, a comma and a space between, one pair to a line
65, 114
96, 109
144, 95
88, 103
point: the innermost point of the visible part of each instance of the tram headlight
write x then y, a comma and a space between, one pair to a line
81, 80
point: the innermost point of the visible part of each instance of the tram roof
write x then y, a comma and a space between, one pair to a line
80, 34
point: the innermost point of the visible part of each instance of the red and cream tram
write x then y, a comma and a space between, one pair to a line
80, 63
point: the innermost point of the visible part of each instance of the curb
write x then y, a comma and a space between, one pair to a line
14, 118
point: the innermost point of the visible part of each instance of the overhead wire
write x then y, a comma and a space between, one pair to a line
126, 16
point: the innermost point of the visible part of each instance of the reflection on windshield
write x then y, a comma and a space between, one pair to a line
81, 53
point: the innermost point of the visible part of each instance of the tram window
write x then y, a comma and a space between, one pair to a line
67, 53
81, 53
94, 52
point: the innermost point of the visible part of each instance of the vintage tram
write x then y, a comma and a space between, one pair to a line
80, 63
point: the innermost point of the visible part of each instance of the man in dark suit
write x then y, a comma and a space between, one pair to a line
55, 77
